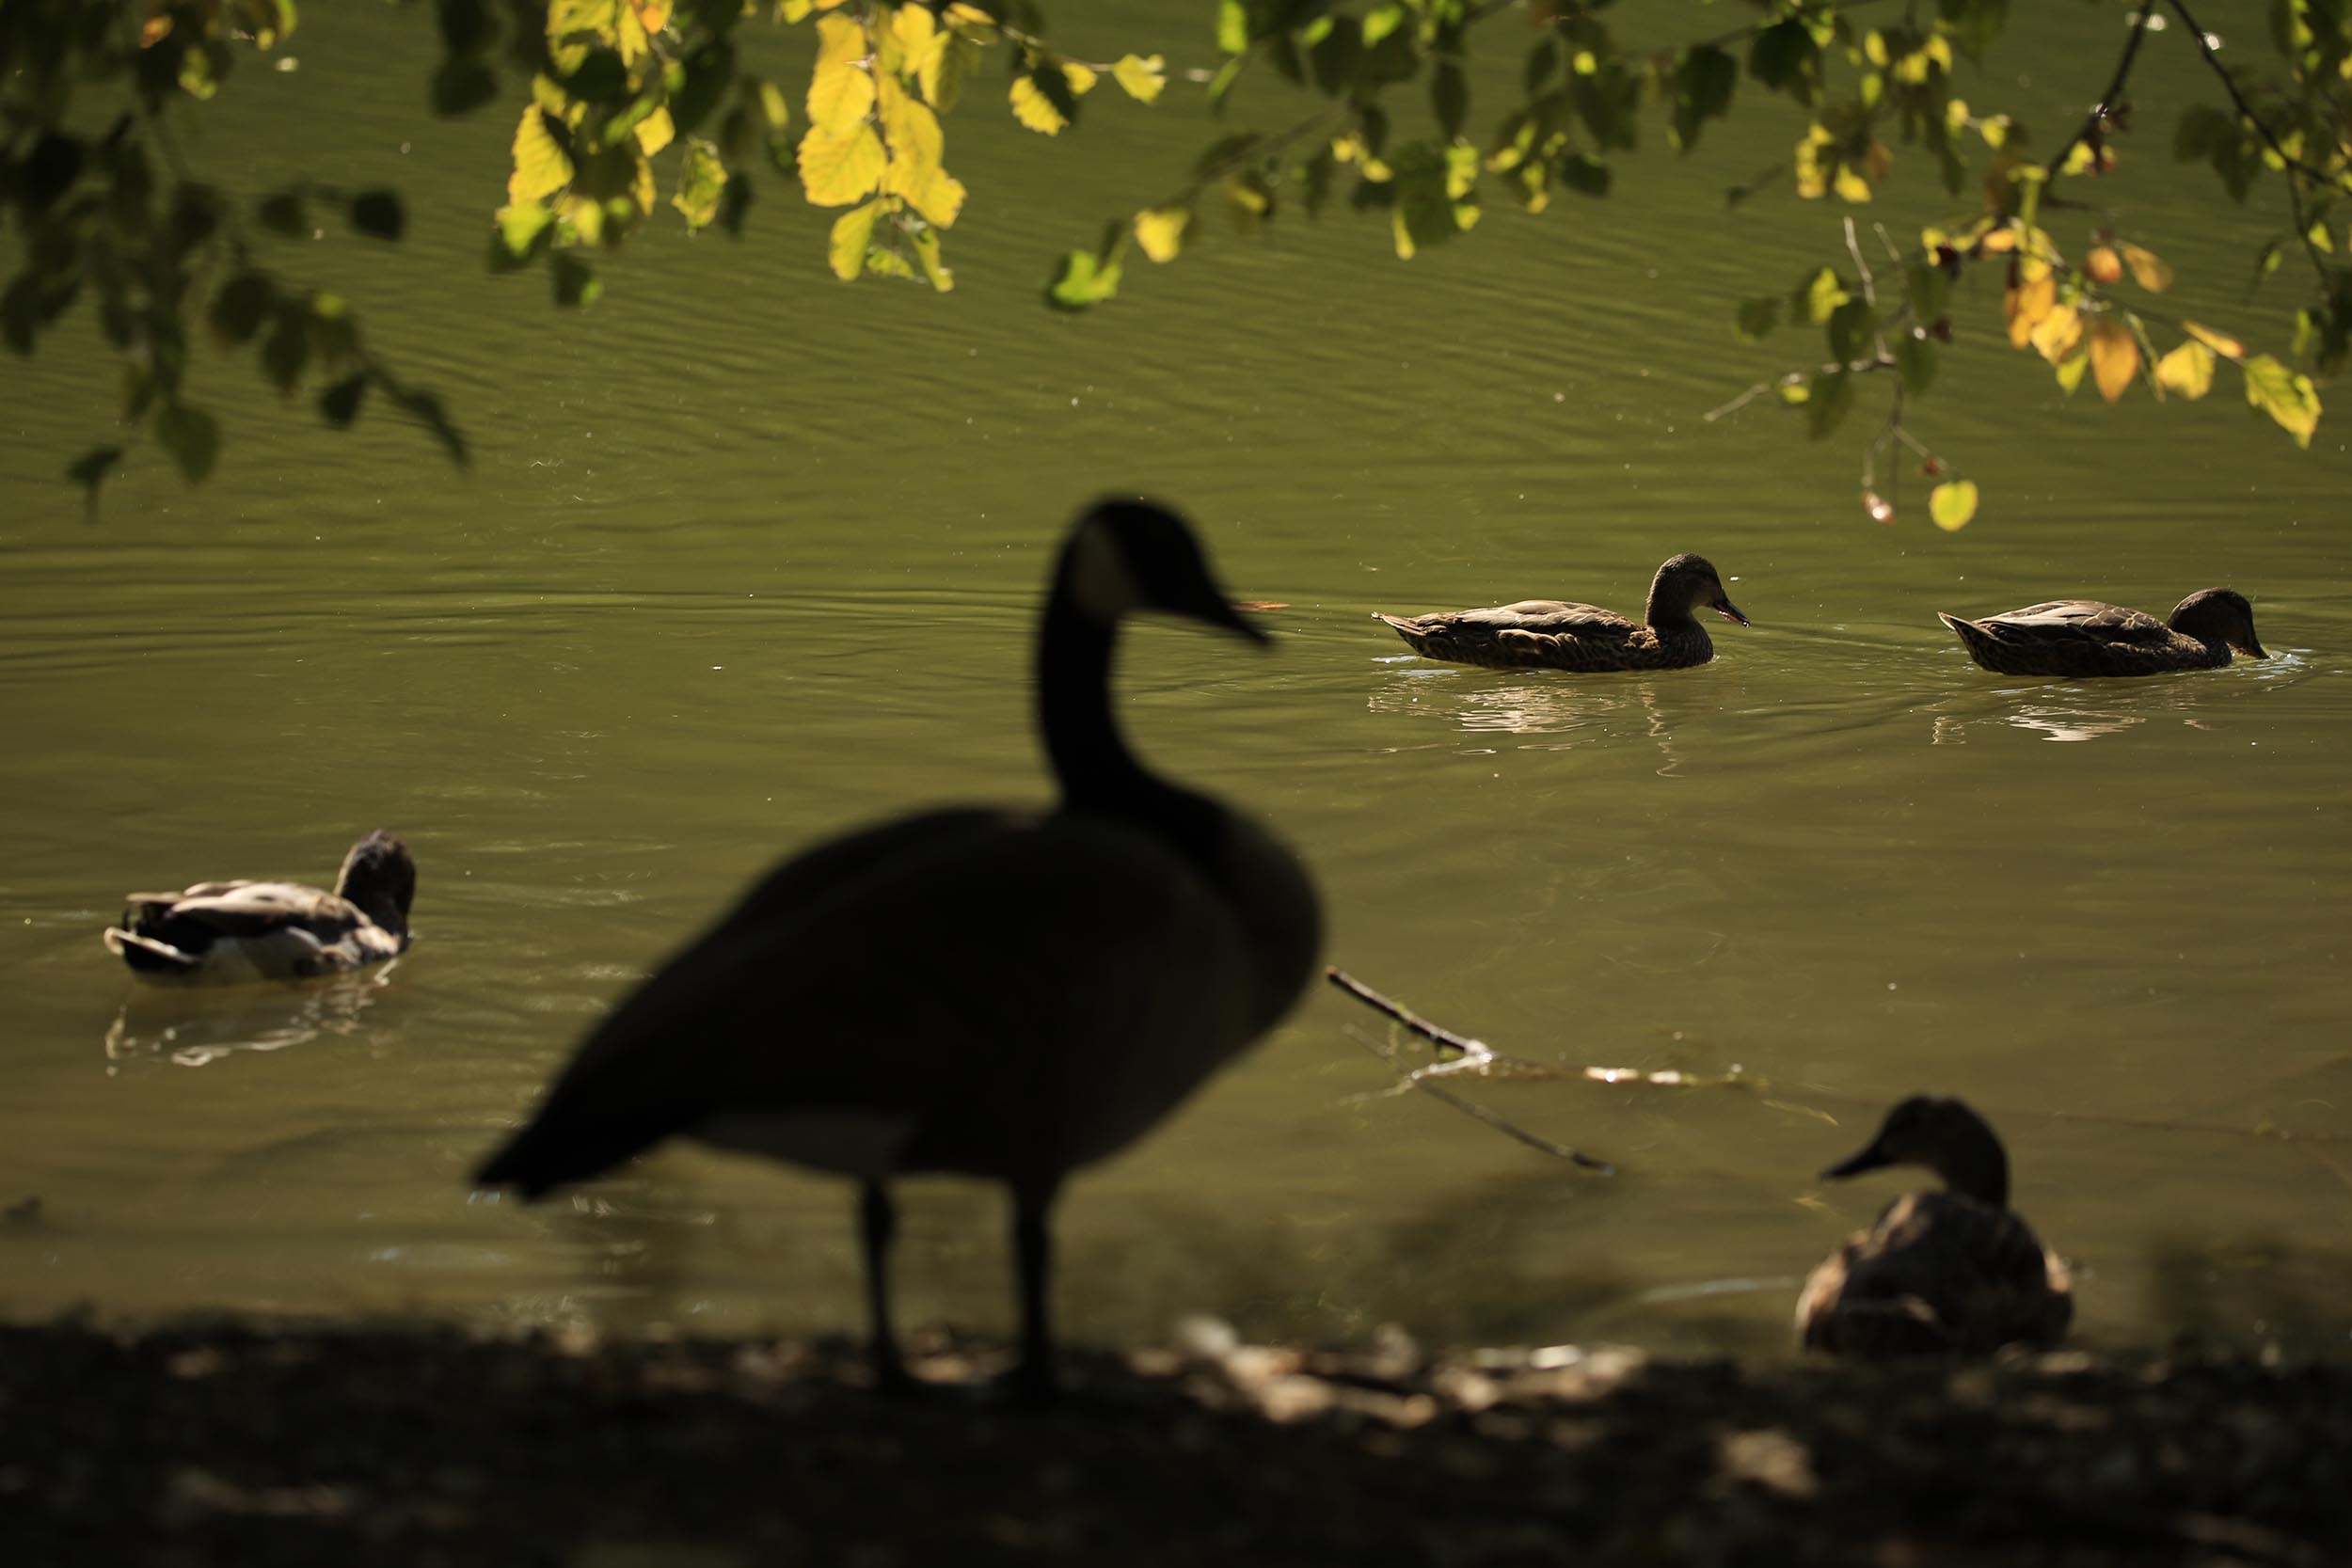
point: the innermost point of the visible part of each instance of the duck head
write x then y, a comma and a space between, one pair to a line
2219, 615
1687, 584
1942, 1134
1129, 556
380, 876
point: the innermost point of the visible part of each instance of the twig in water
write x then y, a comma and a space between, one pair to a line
1470, 1108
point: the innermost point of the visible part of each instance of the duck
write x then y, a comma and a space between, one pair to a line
1553, 634
1940, 1272
2083, 637
226, 933
1006, 993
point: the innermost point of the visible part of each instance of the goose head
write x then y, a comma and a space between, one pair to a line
1126, 557
1687, 584
1942, 1134
380, 876
2219, 615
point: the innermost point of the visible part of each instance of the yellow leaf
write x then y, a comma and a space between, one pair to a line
2070, 372
1032, 108
927, 256
2056, 334
852, 232
2287, 397
655, 131
2023, 307
916, 27
841, 88
1081, 78
912, 130
2149, 269
1998, 240
971, 16
541, 168
2221, 342
930, 190
1849, 186
942, 70
702, 178
1142, 76
1160, 230
836, 170
1952, 503
773, 106
2114, 357
2187, 370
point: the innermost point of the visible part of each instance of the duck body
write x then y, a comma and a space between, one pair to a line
226, 933
1941, 1273
2085, 638
1557, 634
1005, 994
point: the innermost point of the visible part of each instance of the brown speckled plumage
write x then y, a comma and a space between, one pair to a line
1948, 1273
2083, 637
1553, 634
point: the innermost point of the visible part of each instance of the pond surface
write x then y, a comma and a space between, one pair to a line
747, 555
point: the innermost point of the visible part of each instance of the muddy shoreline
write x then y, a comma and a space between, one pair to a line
234, 1442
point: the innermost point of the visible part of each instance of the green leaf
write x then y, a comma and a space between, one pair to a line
240, 305
192, 437
2200, 127
1584, 176
524, 229
1915, 362
1757, 317
1952, 503
286, 351
426, 408
1816, 294
576, 282
1703, 86
1830, 401
1448, 95
339, 404
282, 213
925, 242
701, 179
1851, 325
1090, 278
90, 470
1928, 287
2287, 396
378, 214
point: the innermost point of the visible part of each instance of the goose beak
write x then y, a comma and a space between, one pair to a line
1873, 1158
1218, 613
1729, 611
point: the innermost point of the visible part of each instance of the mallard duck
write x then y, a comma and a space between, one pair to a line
2083, 637
220, 933
1555, 635
1941, 1272
996, 992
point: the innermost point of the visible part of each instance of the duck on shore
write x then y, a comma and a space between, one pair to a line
2084, 637
221, 933
1951, 1272
1553, 634
1004, 993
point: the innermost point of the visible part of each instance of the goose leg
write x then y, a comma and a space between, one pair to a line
1033, 1251
878, 1221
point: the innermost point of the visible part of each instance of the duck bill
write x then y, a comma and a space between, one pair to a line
2253, 649
1872, 1158
1729, 611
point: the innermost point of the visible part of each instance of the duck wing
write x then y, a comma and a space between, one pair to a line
1937, 1272
1553, 617
2079, 620
963, 990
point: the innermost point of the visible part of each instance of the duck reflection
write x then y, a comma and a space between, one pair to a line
196, 1028
1578, 713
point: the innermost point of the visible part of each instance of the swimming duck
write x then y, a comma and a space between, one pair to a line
220, 933
998, 993
1556, 635
1941, 1272
2083, 637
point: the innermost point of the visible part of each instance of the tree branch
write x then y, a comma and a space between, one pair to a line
2100, 110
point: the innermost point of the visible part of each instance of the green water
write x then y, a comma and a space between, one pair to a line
747, 555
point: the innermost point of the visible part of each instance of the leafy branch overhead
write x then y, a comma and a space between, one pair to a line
628, 111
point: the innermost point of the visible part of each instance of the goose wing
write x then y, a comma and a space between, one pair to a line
953, 987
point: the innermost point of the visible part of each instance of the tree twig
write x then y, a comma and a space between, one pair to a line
2100, 110
1410, 1080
